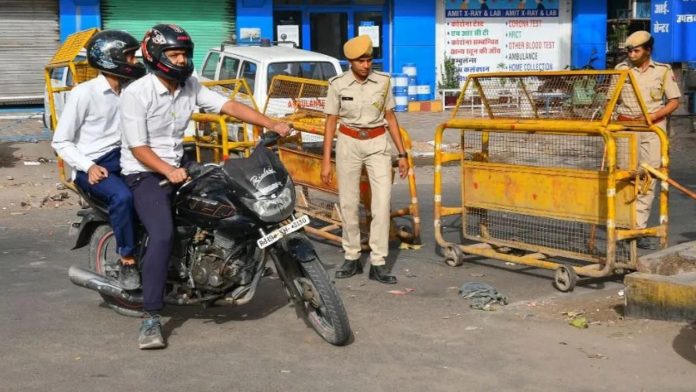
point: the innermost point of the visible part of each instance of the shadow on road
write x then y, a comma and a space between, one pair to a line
7, 158
269, 298
684, 344
690, 235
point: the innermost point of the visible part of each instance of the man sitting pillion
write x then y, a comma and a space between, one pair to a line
88, 138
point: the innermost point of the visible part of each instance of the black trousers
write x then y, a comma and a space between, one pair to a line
153, 204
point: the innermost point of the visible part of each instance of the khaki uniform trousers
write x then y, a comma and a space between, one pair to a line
374, 154
649, 152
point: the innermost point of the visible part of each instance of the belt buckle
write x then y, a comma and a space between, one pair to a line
363, 134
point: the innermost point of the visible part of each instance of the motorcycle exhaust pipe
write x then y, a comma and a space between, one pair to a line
101, 284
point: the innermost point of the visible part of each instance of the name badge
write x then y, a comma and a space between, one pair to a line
346, 98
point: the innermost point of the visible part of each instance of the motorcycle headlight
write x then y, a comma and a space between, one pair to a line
278, 208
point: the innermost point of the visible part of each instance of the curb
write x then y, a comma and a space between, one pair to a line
660, 297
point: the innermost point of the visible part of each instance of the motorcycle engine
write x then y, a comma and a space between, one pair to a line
218, 262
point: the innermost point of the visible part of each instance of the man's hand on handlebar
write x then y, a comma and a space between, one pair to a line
177, 176
281, 128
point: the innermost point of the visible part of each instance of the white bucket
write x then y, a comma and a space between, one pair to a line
412, 92
423, 92
401, 102
400, 80
409, 69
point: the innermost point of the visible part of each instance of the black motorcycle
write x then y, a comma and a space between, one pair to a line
229, 219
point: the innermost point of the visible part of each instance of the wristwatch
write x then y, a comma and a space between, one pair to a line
403, 155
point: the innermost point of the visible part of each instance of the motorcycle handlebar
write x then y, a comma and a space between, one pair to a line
191, 170
267, 139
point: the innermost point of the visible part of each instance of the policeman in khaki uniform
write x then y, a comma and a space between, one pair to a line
655, 82
361, 100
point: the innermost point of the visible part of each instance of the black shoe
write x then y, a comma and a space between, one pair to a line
648, 243
381, 274
349, 268
151, 334
129, 277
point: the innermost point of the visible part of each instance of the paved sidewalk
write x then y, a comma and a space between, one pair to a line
23, 127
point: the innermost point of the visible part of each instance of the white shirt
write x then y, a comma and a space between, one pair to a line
88, 127
151, 116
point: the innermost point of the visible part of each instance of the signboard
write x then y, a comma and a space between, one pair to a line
289, 33
372, 31
506, 35
673, 23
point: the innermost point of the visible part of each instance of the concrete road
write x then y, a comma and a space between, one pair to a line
59, 337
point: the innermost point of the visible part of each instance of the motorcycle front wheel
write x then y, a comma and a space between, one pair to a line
319, 301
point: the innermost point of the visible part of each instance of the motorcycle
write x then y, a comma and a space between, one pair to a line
230, 218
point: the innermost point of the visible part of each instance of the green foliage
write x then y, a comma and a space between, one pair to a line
449, 75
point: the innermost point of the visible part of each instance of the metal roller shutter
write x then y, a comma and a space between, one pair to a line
208, 22
29, 37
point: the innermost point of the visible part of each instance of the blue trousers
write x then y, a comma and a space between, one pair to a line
114, 191
153, 205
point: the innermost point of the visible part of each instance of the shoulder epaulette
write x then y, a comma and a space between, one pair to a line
657, 64
336, 77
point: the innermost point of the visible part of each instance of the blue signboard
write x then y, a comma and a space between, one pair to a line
673, 25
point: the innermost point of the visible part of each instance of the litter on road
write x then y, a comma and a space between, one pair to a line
401, 292
482, 295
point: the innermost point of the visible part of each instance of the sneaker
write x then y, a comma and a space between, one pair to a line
129, 277
151, 334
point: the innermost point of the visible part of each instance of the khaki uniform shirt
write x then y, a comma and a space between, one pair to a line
655, 82
360, 105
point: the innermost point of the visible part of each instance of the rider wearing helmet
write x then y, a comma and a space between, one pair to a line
89, 140
112, 52
155, 111
172, 38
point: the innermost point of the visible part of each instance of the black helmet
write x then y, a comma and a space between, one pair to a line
106, 51
158, 40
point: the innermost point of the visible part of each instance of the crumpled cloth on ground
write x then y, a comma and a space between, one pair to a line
482, 295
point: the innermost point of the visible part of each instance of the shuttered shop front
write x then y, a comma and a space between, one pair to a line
29, 37
209, 22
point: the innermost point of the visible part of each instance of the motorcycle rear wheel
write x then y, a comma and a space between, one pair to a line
104, 260
319, 301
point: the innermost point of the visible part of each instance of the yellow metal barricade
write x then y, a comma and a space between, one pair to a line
549, 172
301, 102
212, 132
69, 57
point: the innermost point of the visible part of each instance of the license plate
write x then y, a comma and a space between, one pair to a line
281, 232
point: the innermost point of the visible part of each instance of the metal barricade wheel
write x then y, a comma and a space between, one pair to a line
453, 256
565, 278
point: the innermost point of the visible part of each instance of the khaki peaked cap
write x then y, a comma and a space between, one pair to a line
357, 47
637, 39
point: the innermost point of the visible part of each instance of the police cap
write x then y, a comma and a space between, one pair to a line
358, 47
639, 38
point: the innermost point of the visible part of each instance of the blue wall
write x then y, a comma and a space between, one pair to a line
673, 40
76, 15
414, 38
255, 13
589, 32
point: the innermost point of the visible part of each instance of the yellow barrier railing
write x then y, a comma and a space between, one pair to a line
549, 172
212, 131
